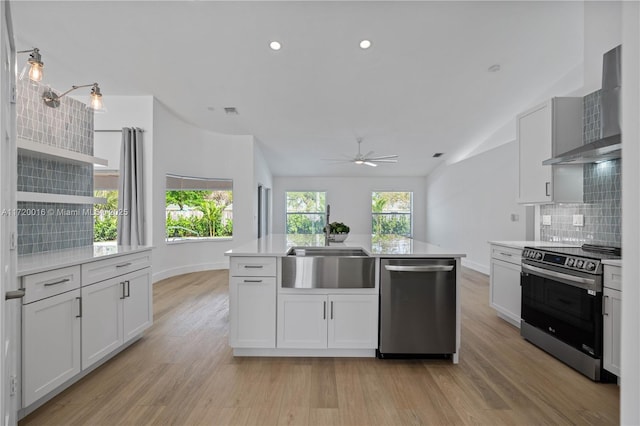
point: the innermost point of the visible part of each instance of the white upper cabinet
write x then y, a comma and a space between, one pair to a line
543, 132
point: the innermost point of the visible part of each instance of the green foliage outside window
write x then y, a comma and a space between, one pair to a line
198, 214
105, 219
391, 213
305, 212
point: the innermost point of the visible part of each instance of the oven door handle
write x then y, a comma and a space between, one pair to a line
568, 279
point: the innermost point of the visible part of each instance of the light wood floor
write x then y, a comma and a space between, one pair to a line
182, 372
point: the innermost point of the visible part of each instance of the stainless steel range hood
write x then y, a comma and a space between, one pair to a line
609, 146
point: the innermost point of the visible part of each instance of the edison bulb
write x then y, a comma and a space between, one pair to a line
95, 101
36, 72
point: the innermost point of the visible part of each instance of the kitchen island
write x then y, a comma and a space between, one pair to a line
268, 318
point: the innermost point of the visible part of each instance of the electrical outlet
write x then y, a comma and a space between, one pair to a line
546, 219
578, 220
13, 386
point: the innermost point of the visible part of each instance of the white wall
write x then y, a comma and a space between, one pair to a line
630, 336
127, 111
602, 32
181, 148
350, 199
471, 202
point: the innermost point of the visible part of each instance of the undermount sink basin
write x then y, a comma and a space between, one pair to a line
327, 251
327, 267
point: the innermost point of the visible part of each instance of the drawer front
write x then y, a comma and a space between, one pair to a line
100, 270
506, 254
613, 277
252, 266
49, 283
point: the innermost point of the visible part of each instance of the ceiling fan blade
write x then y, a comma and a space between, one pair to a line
382, 161
370, 164
382, 157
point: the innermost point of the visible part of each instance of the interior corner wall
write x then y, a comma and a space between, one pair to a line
128, 111
181, 148
471, 202
350, 199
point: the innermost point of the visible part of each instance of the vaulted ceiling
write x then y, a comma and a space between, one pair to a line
424, 85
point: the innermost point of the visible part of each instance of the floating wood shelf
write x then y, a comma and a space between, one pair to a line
48, 151
40, 197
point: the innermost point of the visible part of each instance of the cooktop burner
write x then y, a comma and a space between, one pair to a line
587, 251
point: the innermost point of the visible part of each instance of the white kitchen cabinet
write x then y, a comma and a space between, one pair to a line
545, 131
316, 321
252, 302
504, 284
612, 310
50, 344
114, 311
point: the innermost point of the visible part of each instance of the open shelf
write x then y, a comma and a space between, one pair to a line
40, 197
47, 151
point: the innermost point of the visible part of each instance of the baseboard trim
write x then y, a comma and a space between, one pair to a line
168, 273
284, 352
475, 266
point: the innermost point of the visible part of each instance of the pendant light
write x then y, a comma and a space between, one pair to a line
36, 66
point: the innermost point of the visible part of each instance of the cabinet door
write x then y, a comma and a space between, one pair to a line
534, 139
302, 321
611, 332
137, 303
101, 319
252, 312
353, 321
505, 293
50, 344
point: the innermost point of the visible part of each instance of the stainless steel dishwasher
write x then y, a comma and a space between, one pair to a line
417, 307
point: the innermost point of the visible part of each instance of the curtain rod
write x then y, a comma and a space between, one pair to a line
112, 131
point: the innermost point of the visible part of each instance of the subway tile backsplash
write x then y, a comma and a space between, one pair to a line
602, 208
53, 226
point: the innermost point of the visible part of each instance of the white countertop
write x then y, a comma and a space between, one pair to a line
612, 262
385, 246
45, 261
534, 244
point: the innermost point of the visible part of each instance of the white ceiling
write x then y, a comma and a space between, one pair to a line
423, 86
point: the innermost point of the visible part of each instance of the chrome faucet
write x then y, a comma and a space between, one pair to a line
327, 228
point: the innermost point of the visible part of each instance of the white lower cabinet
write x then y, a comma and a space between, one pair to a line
612, 309
50, 344
114, 311
318, 321
252, 310
504, 290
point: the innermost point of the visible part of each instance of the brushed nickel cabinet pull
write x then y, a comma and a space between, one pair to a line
123, 293
546, 189
253, 266
252, 281
79, 299
324, 310
332, 309
122, 265
64, 280
128, 288
604, 306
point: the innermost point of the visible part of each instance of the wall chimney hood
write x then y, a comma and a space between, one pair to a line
609, 146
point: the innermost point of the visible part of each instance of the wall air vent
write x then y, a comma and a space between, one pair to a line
438, 154
231, 110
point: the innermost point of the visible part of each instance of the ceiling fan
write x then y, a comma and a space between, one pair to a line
367, 158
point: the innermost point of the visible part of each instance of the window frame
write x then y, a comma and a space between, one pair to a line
393, 213
322, 214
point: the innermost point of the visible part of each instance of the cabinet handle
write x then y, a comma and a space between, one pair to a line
122, 265
14, 294
253, 266
546, 189
324, 310
332, 309
64, 280
79, 299
252, 281
128, 288
123, 293
506, 254
604, 306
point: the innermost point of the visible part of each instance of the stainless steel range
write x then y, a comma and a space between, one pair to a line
562, 304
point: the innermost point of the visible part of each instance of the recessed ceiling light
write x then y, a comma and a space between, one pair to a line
274, 45
231, 110
365, 44
494, 68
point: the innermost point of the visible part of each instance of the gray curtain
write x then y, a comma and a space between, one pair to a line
131, 189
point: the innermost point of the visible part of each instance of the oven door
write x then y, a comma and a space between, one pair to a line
566, 306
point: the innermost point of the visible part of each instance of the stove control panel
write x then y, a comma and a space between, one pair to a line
565, 261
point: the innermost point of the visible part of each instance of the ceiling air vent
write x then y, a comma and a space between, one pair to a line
438, 154
231, 110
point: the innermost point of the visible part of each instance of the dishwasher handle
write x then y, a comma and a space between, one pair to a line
419, 268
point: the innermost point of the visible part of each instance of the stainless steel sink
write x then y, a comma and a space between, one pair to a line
327, 267
327, 251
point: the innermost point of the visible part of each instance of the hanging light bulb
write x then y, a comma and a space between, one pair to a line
36, 66
95, 99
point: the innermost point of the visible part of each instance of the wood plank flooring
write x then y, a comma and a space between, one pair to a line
183, 373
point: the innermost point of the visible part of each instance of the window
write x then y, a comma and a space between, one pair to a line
105, 216
391, 213
198, 208
305, 212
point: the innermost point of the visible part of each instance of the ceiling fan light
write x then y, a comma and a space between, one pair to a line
368, 163
358, 161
